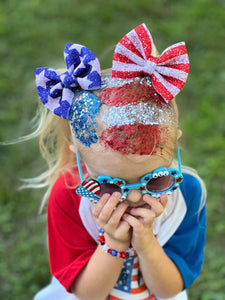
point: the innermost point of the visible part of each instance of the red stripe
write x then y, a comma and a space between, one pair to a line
139, 290
121, 58
162, 89
174, 81
127, 43
90, 184
110, 297
145, 39
182, 67
134, 278
125, 75
172, 52
135, 139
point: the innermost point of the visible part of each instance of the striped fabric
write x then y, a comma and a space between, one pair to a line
92, 186
132, 57
130, 285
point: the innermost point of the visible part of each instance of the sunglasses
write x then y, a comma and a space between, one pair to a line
160, 181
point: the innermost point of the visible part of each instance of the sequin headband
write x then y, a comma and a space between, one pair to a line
69, 95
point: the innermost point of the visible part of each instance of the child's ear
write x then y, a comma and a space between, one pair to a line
179, 134
72, 148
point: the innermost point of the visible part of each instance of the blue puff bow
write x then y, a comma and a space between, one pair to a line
56, 90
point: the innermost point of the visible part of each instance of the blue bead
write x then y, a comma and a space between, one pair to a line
101, 231
113, 253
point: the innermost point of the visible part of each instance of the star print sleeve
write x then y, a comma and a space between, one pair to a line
186, 246
70, 246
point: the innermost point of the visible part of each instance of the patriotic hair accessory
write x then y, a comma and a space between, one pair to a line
56, 90
139, 93
133, 57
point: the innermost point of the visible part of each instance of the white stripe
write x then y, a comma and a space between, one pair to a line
134, 271
181, 59
120, 66
132, 35
142, 113
90, 183
170, 87
129, 54
171, 72
134, 284
95, 190
123, 295
136, 260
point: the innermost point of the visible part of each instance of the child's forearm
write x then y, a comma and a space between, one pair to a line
160, 274
98, 277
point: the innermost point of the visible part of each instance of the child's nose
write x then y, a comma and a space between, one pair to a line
134, 196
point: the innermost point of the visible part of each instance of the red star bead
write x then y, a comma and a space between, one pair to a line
141, 188
120, 182
179, 179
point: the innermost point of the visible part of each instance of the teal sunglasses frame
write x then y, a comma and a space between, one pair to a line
91, 187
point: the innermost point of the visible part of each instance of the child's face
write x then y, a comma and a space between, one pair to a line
128, 167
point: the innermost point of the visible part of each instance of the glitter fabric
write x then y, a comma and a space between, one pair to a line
133, 57
135, 139
84, 108
131, 93
136, 118
131, 114
56, 90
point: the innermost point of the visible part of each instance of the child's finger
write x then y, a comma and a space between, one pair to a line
145, 215
163, 200
133, 222
155, 204
100, 204
107, 209
117, 214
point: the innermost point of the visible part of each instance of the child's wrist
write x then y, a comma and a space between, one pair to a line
116, 244
114, 247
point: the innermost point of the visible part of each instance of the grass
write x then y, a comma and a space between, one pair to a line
33, 33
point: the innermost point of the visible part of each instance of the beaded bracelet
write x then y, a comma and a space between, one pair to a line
123, 254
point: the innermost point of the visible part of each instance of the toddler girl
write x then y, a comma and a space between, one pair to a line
132, 224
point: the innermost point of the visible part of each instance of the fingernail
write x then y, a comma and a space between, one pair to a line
116, 194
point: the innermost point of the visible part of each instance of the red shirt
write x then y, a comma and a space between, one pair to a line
70, 245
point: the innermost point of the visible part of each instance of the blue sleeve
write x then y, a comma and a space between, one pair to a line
186, 246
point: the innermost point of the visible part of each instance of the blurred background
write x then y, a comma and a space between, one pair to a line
33, 34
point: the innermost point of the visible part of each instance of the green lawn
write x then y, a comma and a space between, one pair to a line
33, 33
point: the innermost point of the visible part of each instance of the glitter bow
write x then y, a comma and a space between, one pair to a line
132, 57
56, 90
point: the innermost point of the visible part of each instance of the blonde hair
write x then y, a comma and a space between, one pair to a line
54, 141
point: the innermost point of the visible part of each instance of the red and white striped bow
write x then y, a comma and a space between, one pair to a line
132, 57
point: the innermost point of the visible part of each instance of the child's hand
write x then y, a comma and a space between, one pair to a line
141, 219
108, 214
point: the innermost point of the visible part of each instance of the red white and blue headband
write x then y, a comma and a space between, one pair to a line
69, 95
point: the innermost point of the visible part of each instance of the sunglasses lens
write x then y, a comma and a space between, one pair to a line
109, 188
160, 184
